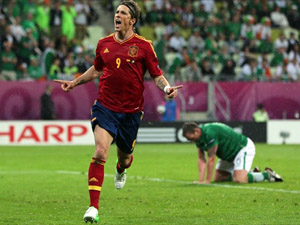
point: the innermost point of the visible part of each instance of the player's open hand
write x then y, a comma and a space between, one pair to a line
172, 91
66, 85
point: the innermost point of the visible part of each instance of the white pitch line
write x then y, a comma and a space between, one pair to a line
188, 182
256, 188
156, 180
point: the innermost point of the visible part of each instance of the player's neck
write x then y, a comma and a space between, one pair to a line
123, 35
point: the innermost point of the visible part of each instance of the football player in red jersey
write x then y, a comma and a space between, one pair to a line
121, 61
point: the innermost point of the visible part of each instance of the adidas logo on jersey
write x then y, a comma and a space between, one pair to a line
106, 50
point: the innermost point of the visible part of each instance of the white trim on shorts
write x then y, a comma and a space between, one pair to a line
242, 161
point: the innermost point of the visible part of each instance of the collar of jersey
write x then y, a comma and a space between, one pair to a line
122, 42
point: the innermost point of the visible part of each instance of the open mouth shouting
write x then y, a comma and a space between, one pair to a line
118, 24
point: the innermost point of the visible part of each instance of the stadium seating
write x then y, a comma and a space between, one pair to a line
95, 33
147, 32
275, 33
159, 31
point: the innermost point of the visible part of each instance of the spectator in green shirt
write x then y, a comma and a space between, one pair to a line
210, 43
27, 45
278, 57
42, 17
13, 9
48, 55
168, 16
261, 114
266, 46
55, 70
70, 69
201, 13
30, 7
234, 26
153, 16
29, 23
34, 69
68, 23
8, 60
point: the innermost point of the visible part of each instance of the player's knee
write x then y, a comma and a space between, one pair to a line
100, 153
222, 176
240, 176
240, 180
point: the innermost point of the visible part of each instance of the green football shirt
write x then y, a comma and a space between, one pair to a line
229, 142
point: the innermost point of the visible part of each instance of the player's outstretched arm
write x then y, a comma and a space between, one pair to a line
87, 76
162, 83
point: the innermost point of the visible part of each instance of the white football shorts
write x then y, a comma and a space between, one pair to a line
242, 161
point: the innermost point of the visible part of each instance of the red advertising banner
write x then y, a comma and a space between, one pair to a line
21, 100
281, 100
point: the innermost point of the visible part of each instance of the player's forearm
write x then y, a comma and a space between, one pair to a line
210, 168
161, 82
87, 76
201, 168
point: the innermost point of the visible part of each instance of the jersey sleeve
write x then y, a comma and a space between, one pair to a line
211, 141
98, 61
152, 61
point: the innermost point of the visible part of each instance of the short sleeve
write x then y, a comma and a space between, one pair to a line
98, 61
152, 61
211, 138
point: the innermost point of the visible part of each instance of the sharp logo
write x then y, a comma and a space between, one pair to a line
44, 133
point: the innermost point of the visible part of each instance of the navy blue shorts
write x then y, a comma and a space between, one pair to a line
122, 126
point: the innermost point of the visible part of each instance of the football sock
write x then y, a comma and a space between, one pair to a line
266, 175
257, 177
96, 176
122, 169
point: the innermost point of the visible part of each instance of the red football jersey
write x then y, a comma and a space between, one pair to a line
124, 65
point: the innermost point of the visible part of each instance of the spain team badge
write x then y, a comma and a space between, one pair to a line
133, 51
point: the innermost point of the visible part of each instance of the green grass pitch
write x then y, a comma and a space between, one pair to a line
48, 185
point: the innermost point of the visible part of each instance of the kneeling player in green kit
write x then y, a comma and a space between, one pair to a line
235, 152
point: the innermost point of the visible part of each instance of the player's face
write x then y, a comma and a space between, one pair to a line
195, 136
122, 19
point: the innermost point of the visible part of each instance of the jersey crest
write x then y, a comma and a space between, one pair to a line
133, 51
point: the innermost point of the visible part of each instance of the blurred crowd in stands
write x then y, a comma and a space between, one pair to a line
42, 39
195, 40
230, 40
